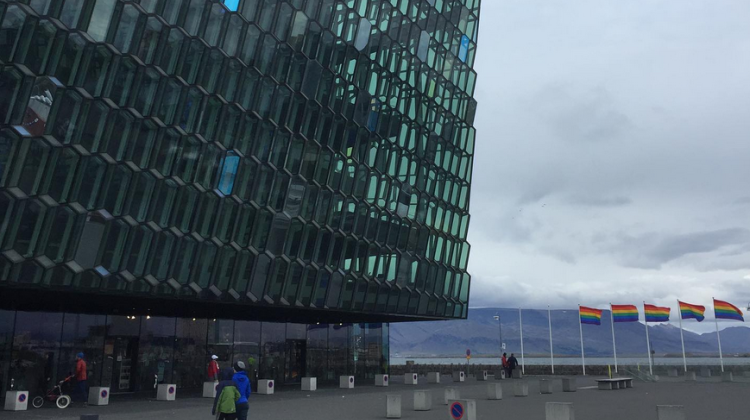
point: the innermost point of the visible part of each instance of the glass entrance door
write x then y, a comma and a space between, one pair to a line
294, 366
124, 364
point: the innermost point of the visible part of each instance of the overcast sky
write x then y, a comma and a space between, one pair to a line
613, 153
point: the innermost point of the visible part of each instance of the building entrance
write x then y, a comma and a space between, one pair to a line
296, 355
121, 354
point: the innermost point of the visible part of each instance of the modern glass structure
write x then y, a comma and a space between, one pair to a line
265, 180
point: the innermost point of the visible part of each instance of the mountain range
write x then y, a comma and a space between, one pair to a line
480, 333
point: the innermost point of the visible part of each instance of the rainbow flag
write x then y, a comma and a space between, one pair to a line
689, 311
624, 313
590, 315
656, 313
725, 310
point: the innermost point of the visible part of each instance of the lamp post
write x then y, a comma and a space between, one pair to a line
499, 333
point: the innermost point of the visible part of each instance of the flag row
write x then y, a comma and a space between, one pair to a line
653, 313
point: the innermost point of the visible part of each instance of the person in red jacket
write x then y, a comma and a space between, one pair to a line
213, 368
81, 378
505, 364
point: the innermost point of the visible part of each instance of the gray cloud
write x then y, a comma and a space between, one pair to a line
598, 201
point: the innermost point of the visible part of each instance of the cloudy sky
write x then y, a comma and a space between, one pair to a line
613, 153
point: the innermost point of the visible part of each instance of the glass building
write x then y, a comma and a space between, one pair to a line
272, 181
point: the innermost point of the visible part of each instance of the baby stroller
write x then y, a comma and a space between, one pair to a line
55, 394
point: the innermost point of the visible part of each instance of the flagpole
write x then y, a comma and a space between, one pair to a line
580, 327
682, 337
718, 337
648, 341
612, 324
551, 353
520, 325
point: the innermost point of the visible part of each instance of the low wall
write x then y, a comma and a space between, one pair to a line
569, 370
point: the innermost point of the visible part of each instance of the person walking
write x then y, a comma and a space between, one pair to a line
81, 378
504, 362
227, 395
213, 368
243, 386
512, 364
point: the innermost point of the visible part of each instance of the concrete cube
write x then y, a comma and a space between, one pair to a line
433, 377
393, 406
482, 376
381, 380
422, 400
411, 378
672, 373
265, 386
166, 392
727, 377
545, 386
670, 412
690, 376
209, 389
99, 395
521, 389
16, 400
309, 383
559, 411
346, 382
569, 385
459, 376
500, 374
517, 374
494, 391
462, 410
705, 372
451, 394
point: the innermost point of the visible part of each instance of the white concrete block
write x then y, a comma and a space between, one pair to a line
705, 372
16, 400
670, 412
672, 373
209, 389
521, 389
99, 395
422, 400
517, 374
545, 386
482, 376
433, 377
393, 406
462, 410
569, 385
727, 377
166, 392
451, 394
411, 378
690, 376
459, 376
500, 374
265, 386
346, 382
559, 411
309, 383
381, 380
494, 391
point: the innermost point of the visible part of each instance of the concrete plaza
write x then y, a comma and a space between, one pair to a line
705, 399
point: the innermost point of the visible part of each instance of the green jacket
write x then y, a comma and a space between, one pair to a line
229, 395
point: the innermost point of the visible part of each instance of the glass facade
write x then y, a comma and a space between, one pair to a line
304, 161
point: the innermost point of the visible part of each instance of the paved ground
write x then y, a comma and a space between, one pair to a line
706, 399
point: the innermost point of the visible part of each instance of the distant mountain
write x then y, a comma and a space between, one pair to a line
480, 334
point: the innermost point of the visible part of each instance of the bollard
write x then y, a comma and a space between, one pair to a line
89, 417
393, 406
166, 392
494, 391
462, 410
705, 372
482, 376
500, 374
346, 382
517, 374
459, 376
521, 389
411, 379
309, 383
381, 380
569, 385
690, 376
545, 386
451, 394
209, 389
670, 412
559, 411
16, 400
99, 395
727, 377
433, 377
265, 386
672, 373
422, 400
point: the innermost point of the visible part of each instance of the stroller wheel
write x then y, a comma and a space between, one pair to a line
37, 402
63, 401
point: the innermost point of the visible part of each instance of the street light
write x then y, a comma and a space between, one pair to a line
499, 333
